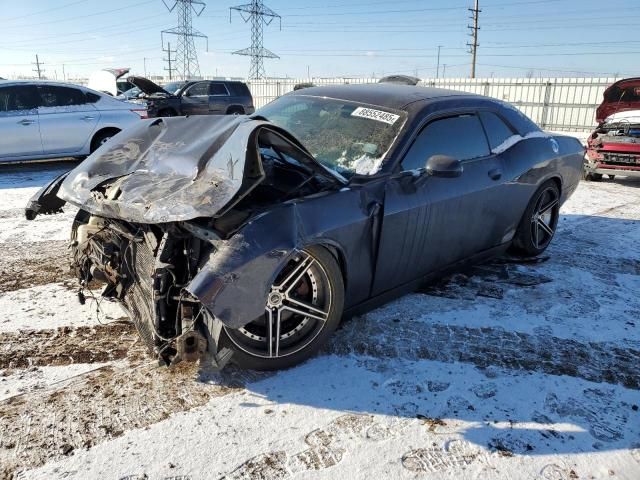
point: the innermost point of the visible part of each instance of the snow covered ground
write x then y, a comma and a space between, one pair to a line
507, 370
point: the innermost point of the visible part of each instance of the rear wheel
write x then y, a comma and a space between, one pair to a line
538, 225
235, 111
303, 308
101, 138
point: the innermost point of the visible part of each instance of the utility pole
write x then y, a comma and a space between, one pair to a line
474, 34
39, 70
438, 65
64, 76
170, 69
144, 62
444, 70
259, 15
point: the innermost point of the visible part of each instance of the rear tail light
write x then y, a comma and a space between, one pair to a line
141, 111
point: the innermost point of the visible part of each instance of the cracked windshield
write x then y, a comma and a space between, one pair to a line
346, 137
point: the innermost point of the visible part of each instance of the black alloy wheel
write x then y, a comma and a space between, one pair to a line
538, 226
303, 308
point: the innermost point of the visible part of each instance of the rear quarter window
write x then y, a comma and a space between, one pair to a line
496, 128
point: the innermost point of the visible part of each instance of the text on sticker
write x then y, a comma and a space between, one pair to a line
378, 115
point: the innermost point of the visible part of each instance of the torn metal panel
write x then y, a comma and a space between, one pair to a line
46, 200
168, 170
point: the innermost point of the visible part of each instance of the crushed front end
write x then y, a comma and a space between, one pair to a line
146, 269
614, 149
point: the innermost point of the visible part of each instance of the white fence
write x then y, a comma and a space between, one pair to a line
553, 103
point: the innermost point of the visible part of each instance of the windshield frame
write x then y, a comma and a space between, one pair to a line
384, 157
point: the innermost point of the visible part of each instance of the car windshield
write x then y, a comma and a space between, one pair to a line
173, 87
347, 137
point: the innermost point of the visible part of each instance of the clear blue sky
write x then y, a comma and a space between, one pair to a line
332, 37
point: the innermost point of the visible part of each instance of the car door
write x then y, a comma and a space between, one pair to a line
219, 98
195, 99
19, 122
433, 221
67, 119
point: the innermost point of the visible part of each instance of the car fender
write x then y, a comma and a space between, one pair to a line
234, 280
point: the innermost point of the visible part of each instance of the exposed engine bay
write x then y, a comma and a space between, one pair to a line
614, 147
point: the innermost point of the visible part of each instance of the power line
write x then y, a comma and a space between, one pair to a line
78, 17
259, 15
60, 7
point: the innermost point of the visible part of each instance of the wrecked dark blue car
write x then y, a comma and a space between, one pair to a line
250, 238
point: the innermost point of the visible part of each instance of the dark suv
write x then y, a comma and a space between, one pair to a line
201, 97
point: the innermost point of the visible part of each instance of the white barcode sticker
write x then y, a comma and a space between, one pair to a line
377, 115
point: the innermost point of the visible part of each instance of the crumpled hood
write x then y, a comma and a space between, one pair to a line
169, 169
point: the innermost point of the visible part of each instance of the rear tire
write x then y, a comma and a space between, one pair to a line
319, 285
101, 138
235, 111
539, 222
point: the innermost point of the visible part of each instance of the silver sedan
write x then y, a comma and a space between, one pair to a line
41, 119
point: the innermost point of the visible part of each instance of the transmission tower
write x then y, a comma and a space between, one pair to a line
259, 15
475, 11
186, 59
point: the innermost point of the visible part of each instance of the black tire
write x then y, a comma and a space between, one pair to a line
302, 336
538, 224
235, 111
611, 177
101, 138
592, 177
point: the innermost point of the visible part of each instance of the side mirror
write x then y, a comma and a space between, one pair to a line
443, 166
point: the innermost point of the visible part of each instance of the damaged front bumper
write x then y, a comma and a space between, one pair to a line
147, 269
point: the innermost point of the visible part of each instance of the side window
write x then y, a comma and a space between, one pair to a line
199, 89
497, 130
54, 96
218, 89
18, 98
460, 137
92, 97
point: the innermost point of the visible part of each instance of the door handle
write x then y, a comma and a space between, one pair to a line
495, 173
26, 121
88, 117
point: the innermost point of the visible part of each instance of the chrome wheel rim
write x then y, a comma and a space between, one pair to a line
296, 311
545, 218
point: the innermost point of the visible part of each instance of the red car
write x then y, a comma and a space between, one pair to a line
614, 147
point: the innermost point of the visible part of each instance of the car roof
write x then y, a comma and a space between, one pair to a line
388, 95
41, 82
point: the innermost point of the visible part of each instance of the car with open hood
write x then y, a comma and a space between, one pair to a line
614, 146
202, 97
250, 238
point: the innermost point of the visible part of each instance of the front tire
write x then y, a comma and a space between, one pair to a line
304, 307
538, 225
